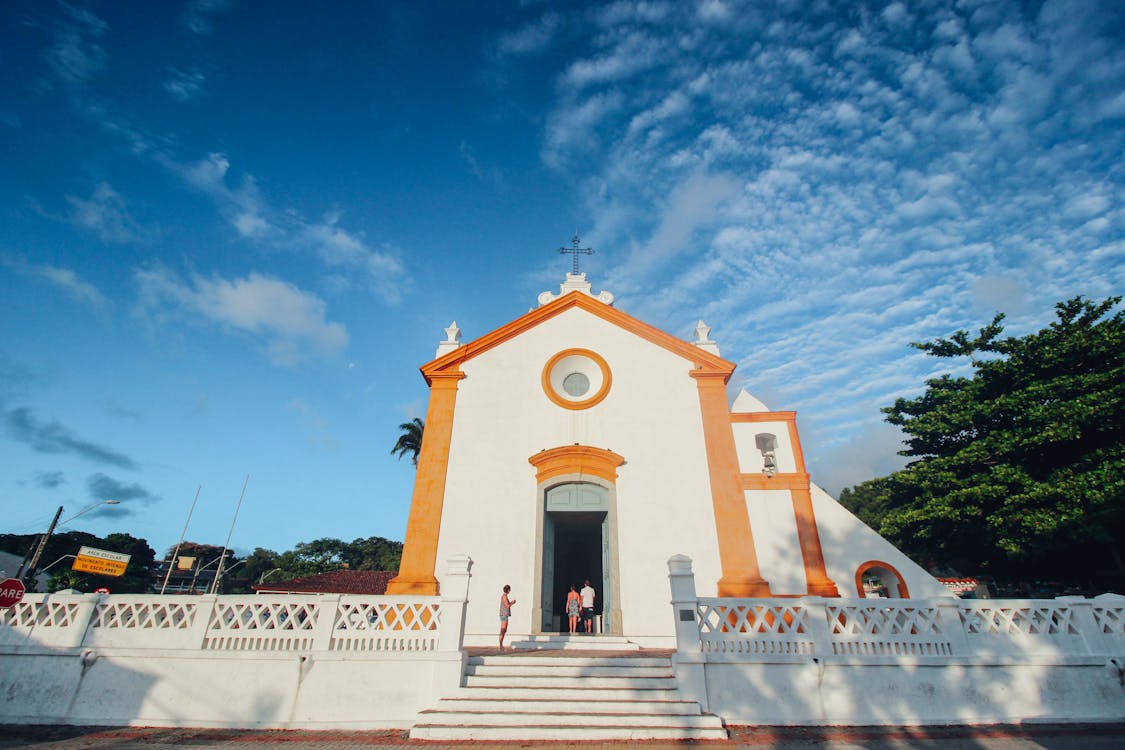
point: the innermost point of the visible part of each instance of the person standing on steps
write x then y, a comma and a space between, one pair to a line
587, 595
505, 612
572, 607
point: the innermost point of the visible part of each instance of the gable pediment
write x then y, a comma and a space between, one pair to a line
700, 359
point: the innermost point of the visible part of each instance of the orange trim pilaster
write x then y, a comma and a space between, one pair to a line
741, 575
419, 551
812, 555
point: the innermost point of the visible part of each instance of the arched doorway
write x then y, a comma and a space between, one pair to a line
576, 534
578, 543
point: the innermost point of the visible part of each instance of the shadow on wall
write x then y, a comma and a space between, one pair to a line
43, 682
865, 554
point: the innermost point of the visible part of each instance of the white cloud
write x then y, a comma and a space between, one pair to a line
63, 278
76, 55
290, 324
105, 214
631, 55
184, 85
532, 38
198, 15
869, 193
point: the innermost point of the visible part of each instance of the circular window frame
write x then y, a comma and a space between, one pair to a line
561, 399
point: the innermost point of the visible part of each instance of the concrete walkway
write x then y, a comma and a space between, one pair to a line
1046, 737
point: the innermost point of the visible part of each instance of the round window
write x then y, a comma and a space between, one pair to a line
576, 379
576, 384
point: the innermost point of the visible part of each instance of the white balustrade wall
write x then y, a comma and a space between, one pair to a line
811, 660
311, 661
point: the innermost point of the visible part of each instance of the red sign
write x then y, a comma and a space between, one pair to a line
11, 592
101, 590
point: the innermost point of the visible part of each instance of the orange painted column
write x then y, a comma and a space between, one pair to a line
812, 554
419, 551
741, 576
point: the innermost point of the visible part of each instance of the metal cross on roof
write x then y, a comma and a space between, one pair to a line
575, 251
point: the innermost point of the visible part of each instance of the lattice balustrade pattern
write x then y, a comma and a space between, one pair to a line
51, 613
387, 624
364, 624
882, 630
247, 624
1020, 627
1020, 619
18, 622
144, 621
145, 615
1111, 620
741, 626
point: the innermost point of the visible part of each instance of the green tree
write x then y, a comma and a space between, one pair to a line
1019, 467
410, 441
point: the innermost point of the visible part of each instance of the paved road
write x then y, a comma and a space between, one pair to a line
1068, 737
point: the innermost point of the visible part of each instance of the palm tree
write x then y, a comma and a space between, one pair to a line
410, 441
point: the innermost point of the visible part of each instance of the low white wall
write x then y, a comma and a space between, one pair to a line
911, 693
809, 660
142, 687
327, 661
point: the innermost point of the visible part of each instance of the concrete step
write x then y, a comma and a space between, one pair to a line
555, 732
547, 680
567, 670
532, 660
559, 698
586, 707
499, 719
578, 642
565, 694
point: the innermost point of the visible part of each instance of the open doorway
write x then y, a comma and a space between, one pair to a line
576, 547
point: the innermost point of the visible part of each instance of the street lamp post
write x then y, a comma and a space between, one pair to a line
29, 578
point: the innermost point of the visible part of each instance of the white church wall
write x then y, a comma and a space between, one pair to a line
848, 543
650, 417
774, 528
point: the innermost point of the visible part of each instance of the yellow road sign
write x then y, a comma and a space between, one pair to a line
100, 561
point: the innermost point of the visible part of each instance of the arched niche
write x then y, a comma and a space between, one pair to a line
876, 578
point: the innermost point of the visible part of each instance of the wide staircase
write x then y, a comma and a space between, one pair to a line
568, 695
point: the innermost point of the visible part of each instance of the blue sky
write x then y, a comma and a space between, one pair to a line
232, 231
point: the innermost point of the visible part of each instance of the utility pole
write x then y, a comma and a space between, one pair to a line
30, 577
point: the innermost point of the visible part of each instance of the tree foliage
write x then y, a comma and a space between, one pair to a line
65, 543
318, 556
410, 441
1020, 466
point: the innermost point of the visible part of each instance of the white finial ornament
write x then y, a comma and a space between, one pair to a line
575, 281
452, 339
703, 341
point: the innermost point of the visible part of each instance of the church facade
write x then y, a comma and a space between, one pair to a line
579, 443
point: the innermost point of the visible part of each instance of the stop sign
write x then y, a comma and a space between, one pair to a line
11, 592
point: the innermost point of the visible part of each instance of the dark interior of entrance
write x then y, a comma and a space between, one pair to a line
578, 548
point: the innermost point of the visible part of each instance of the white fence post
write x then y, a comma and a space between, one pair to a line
1083, 620
449, 665
819, 627
83, 615
326, 609
203, 612
689, 659
952, 627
